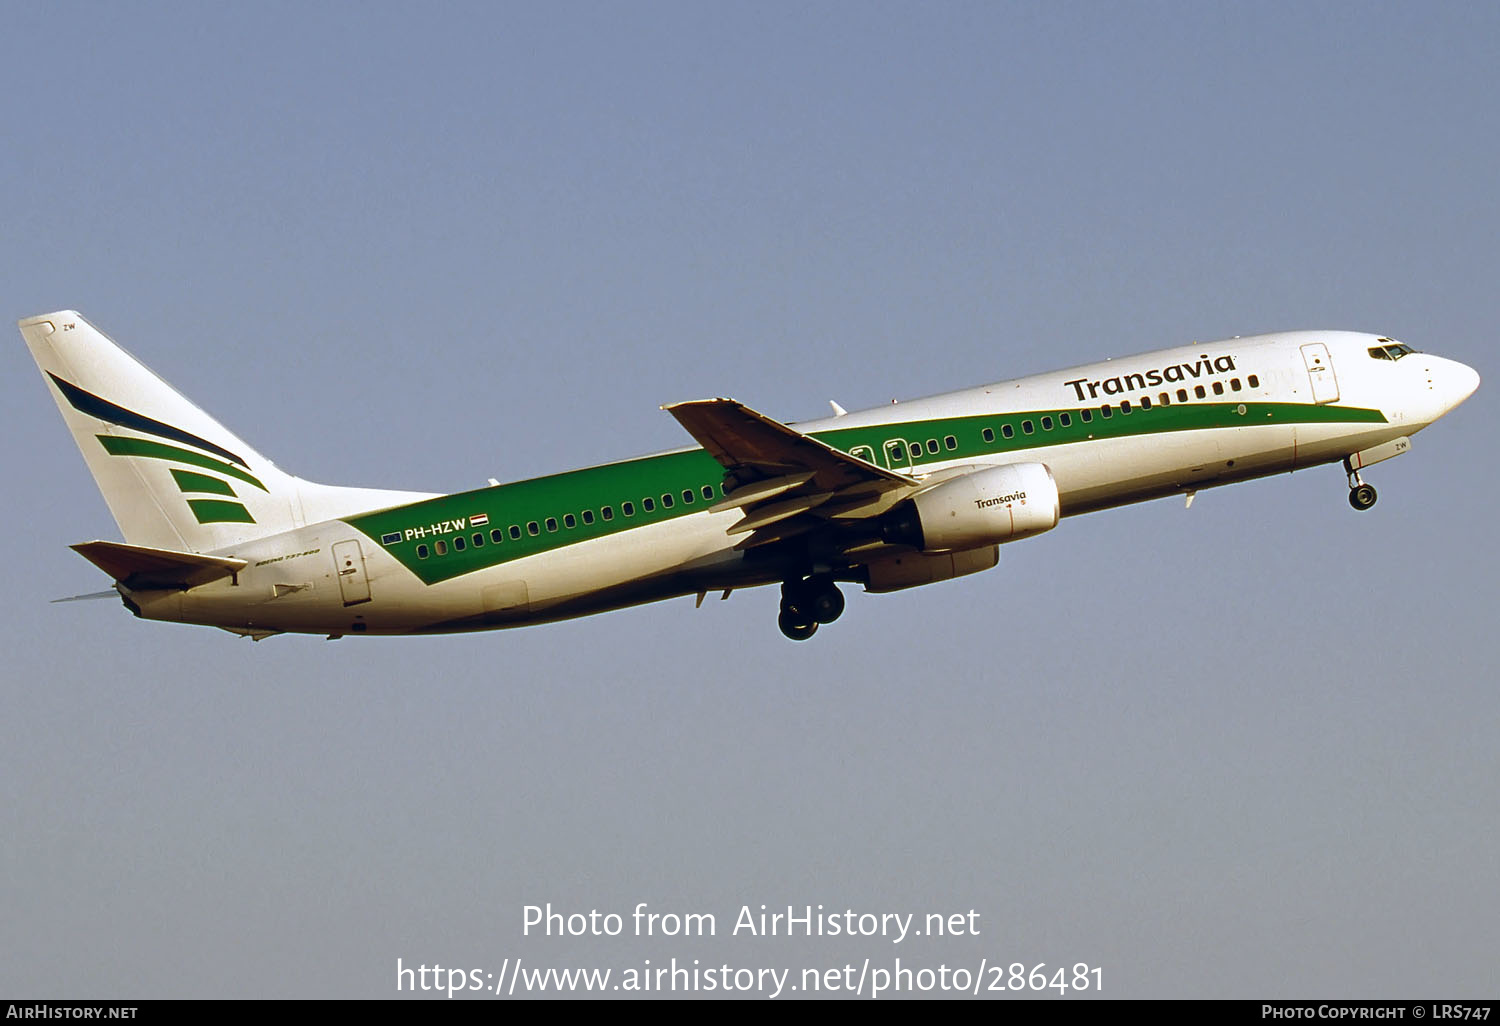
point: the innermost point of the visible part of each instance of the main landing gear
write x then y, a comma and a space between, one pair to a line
807, 603
1361, 495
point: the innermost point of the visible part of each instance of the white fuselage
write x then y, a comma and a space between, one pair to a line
1275, 410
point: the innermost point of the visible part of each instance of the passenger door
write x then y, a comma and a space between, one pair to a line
1325, 385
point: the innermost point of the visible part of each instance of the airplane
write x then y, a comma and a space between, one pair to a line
894, 497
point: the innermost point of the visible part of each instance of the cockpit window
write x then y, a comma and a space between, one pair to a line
1390, 351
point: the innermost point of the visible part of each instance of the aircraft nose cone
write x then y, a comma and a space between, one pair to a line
1466, 381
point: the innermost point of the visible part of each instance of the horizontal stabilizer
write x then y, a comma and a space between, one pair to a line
143, 569
111, 593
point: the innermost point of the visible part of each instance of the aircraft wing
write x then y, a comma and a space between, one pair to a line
141, 568
784, 481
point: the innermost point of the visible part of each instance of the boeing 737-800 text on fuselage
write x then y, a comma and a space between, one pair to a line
893, 497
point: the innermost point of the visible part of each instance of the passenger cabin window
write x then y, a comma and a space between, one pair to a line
533, 528
515, 532
458, 544
1106, 412
666, 501
1026, 427
1087, 416
708, 490
569, 522
988, 434
895, 453
478, 541
1182, 395
628, 508
1145, 402
1254, 381
551, 523
1198, 391
1125, 406
440, 547
497, 536
647, 505
1046, 423
1218, 388
421, 551
1008, 431
1064, 419
588, 517
916, 449
1164, 399
950, 443
608, 512
1234, 384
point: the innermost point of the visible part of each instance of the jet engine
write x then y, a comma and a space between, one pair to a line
986, 507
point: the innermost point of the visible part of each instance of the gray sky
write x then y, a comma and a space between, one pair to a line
1240, 751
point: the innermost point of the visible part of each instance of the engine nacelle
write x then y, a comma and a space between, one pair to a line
911, 569
987, 507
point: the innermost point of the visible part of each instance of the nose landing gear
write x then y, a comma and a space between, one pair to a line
1361, 495
807, 603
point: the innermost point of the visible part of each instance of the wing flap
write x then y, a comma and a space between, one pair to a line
141, 568
753, 447
789, 483
781, 530
767, 514
761, 491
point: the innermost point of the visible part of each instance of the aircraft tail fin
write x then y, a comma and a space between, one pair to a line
174, 477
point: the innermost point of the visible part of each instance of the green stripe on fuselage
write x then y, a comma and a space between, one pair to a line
535, 501
119, 445
671, 473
